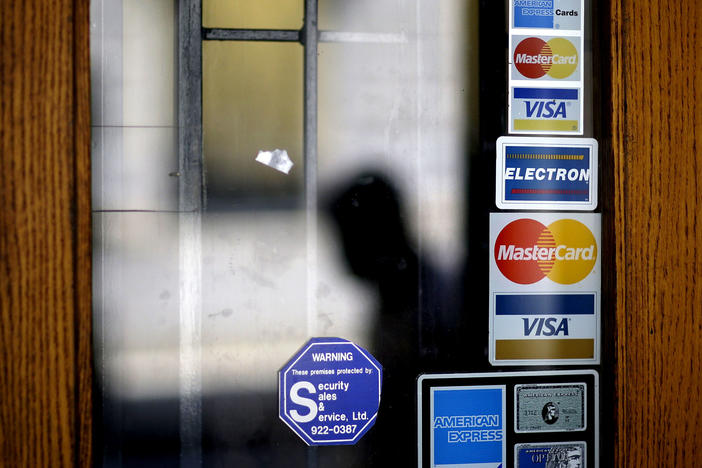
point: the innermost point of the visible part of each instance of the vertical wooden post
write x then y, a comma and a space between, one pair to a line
656, 141
45, 296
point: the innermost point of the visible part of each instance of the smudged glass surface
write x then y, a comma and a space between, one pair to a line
195, 313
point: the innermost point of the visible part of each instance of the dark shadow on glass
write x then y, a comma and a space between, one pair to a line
417, 325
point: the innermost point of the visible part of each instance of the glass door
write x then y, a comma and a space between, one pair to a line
266, 172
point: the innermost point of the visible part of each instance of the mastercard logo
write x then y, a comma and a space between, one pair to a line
556, 58
526, 251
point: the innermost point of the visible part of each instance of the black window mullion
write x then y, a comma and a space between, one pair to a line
191, 203
272, 35
189, 104
310, 39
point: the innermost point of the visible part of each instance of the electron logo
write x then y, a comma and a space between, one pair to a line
556, 58
526, 251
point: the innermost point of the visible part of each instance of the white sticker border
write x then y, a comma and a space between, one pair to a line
511, 84
525, 289
500, 162
543, 362
571, 85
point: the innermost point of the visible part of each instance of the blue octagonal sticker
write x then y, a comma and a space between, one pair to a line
329, 392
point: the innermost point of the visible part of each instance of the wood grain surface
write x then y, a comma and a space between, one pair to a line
45, 348
656, 142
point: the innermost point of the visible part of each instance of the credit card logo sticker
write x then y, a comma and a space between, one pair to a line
548, 455
546, 58
549, 407
468, 426
545, 110
550, 326
546, 173
553, 326
556, 58
526, 251
544, 288
548, 14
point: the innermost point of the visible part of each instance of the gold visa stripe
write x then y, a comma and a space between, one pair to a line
545, 349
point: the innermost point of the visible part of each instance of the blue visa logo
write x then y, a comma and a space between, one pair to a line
546, 109
550, 326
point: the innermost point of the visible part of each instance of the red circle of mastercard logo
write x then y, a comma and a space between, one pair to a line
526, 251
534, 58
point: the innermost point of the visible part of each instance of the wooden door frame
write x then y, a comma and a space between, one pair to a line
650, 140
45, 284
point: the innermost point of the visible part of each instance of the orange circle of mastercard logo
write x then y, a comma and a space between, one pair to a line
556, 58
526, 251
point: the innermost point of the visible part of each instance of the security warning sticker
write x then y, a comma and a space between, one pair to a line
550, 454
468, 426
546, 173
544, 288
562, 15
546, 58
550, 407
329, 392
545, 110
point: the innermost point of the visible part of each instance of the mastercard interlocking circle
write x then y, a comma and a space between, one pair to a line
527, 251
556, 58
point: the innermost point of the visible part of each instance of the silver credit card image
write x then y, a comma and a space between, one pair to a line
550, 455
550, 407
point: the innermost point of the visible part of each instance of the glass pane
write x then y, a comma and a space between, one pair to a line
394, 120
254, 252
392, 142
136, 237
253, 14
366, 15
408, 110
136, 307
252, 102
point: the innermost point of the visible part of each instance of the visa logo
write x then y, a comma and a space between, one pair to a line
545, 326
545, 109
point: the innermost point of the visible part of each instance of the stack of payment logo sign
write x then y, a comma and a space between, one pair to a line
546, 67
545, 276
545, 265
544, 288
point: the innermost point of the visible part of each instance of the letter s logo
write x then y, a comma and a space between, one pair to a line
307, 402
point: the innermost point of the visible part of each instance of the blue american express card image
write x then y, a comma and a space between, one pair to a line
468, 427
548, 14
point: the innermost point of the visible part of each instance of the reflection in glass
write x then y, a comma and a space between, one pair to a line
392, 143
366, 15
396, 121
